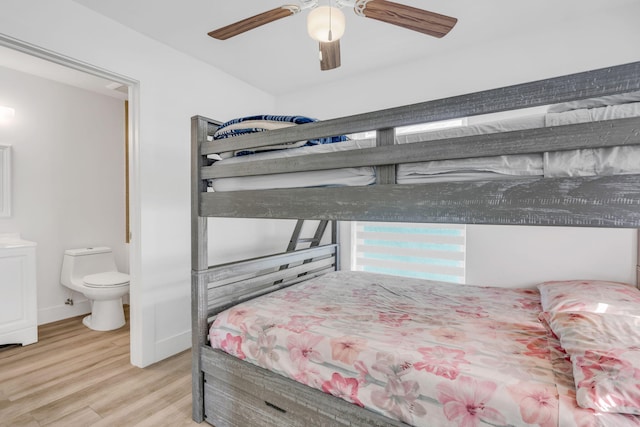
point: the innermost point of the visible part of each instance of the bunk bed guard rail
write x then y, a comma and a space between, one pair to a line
603, 201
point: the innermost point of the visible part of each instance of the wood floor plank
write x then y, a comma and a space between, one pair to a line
41, 378
83, 398
7, 350
147, 405
78, 377
37, 348
149, 383
58, 390
74, 336
84, 417
110, 395
24, 421
20, 366
172, 415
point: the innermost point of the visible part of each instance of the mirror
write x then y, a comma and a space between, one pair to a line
5, 181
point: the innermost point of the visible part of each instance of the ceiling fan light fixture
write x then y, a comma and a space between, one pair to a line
326, 24
329, 54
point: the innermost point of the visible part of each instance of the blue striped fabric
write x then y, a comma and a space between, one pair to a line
270, 118
223, 133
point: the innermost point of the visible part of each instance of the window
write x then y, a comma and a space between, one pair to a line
425, 251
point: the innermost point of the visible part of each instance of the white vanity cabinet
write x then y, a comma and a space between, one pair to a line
18, 296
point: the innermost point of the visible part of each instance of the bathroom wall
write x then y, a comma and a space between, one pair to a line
68, 172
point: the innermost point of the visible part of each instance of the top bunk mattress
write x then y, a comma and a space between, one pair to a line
322, 178
589, 162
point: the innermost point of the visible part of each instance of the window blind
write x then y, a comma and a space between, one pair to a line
425, 251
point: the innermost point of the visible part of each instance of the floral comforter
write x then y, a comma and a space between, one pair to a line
425, 353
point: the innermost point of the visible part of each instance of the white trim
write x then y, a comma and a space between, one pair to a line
5, 181
137, 347
63, 311
345, 237
63, 60
135, 251
173, 345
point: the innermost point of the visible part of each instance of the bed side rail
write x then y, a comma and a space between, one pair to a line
606, 201
608, 133
230, 284
589, 84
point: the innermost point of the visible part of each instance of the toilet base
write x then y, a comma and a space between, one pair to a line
105, 315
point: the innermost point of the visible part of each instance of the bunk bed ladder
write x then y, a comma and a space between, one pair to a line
314, 241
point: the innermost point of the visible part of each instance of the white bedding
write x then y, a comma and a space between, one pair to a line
605, 161
497, 167
593, 161
323, 178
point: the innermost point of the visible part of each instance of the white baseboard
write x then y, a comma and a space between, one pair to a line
173, 345
63, 311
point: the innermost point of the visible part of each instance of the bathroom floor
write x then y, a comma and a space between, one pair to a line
75, 376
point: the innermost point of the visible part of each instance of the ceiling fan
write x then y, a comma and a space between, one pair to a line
326, 23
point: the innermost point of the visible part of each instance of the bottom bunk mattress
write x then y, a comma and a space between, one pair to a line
425, 353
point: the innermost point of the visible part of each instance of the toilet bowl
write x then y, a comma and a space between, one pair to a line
93, 272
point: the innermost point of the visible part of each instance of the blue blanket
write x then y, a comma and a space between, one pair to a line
260, 123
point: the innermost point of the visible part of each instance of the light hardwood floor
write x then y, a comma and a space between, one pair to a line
75, 376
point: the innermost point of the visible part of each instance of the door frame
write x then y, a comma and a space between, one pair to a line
133, 152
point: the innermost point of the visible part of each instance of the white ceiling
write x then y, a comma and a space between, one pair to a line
280, 58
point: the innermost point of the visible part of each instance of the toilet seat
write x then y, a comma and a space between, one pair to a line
109, 279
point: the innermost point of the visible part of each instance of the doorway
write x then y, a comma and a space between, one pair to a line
76, 73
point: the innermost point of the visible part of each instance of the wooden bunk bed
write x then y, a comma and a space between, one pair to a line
228, 391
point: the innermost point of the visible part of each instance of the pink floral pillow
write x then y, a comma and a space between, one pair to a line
605, 356
595, 296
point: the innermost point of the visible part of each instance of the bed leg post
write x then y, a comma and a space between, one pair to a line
638, 261
199, 327
335, 239
199, 266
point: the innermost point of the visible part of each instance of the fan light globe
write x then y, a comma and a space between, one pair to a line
325, 20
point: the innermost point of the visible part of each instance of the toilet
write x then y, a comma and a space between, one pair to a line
93, 272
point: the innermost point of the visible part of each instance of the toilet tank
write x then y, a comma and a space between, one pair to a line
78, 263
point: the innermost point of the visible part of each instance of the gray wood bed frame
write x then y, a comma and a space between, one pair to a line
229, 392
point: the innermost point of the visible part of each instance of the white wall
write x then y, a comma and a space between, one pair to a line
506, 256
68, 165
173, 87
235, 240
515, 256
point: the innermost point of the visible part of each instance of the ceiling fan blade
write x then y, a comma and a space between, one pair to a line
258, 20
423, 21
329, 55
